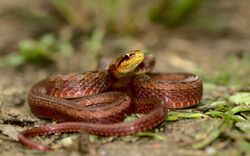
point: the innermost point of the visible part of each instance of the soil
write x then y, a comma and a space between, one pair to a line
175, 50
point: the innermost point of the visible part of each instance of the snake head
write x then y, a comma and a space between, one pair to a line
126, 64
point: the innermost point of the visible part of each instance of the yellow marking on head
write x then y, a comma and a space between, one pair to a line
127, 63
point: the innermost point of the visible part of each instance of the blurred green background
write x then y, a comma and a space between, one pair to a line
185, 35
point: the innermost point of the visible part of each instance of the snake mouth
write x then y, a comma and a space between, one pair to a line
129, 68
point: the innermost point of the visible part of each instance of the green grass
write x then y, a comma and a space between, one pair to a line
235, 72
38, 52
234, 124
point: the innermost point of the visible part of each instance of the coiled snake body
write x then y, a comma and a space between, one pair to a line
88, 102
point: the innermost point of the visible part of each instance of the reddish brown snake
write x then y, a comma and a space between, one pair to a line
80, 102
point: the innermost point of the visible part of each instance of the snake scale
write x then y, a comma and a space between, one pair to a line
92, 103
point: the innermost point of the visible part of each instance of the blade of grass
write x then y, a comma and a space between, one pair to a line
173, 116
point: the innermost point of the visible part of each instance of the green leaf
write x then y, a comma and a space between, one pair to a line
173, 116
239, 109
215, 113
242, 98
221, 106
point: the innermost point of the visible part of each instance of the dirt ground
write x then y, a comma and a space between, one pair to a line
175, 50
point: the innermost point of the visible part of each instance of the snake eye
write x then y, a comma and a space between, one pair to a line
127, 56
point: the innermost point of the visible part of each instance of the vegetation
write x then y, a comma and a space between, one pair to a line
65, 24
40, 52
64, 28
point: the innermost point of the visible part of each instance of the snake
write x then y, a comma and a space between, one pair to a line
91, 102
